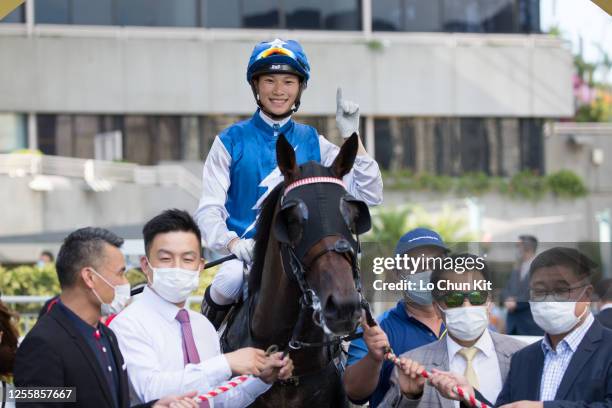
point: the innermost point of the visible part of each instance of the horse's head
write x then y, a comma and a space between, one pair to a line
317, 221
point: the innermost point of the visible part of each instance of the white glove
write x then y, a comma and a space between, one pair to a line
347, 116
243, 249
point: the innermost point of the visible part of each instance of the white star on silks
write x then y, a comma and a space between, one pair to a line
277, 43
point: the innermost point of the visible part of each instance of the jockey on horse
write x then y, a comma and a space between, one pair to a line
241, 167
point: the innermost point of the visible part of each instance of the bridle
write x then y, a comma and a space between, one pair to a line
296, 269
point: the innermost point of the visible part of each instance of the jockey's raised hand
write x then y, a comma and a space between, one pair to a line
347, 115
242, 248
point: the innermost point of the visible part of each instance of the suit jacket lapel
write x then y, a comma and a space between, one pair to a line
533, 376
503, 355
582, 355
120, 364
89, 355
440, 361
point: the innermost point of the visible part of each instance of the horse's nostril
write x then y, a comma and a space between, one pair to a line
345, 308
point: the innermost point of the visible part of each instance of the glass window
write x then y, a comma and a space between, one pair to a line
474, 145
498, 16
52, 12
342, 15
305, 15
46, 128
222, 13
260, 13
387, 15
176, 13
13, 132
529, 16
15, 16
87, 12
532, 144
422, 15
463, 16
137, 144
383, 145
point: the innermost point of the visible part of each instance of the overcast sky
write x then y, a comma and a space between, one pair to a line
580, 18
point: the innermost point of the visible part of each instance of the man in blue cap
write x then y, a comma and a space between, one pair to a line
411, 324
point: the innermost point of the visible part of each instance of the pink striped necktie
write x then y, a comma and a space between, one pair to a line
190, 352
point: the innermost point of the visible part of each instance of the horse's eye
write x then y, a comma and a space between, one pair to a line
295, 218
349, 213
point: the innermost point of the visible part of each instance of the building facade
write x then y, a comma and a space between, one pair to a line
445, 86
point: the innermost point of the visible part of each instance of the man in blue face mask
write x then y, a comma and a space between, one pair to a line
412, 323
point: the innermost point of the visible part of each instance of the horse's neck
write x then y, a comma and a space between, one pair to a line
277, 305
276, 314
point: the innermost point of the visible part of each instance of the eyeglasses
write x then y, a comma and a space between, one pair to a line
456, 299
558, 294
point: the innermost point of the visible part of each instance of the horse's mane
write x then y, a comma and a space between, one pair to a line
262, 236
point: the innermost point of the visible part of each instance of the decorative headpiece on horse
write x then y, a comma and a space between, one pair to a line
317, 205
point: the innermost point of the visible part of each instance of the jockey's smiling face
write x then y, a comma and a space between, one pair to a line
277, 92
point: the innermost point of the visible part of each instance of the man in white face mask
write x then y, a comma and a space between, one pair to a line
68, 346
571, 366
469, 347
170, 349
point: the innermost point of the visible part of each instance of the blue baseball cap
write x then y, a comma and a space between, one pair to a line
419, 237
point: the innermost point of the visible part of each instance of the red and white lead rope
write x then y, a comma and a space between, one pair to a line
233, 383
471, 399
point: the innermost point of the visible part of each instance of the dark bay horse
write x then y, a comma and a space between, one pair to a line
304, 285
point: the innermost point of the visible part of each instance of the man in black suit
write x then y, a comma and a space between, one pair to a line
572, 366
516, 293
604, 292
69, 347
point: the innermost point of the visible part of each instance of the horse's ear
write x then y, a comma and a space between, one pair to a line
285, 157
346, 157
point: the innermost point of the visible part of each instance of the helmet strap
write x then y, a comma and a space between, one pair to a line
274, 116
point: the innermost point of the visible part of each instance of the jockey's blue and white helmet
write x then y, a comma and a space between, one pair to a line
278, 56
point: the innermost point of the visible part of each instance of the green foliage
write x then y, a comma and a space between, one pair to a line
565, 183
388, 225
375, 45
135, 277
600, 110
474, 183
29, 280
523, 185
526, 184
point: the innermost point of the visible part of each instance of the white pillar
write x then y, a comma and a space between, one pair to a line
603, 219
369, 136
29, 16
32, 132
366, 17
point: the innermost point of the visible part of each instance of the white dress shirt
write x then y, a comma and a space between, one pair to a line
485, 364
606, 306
150, 340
